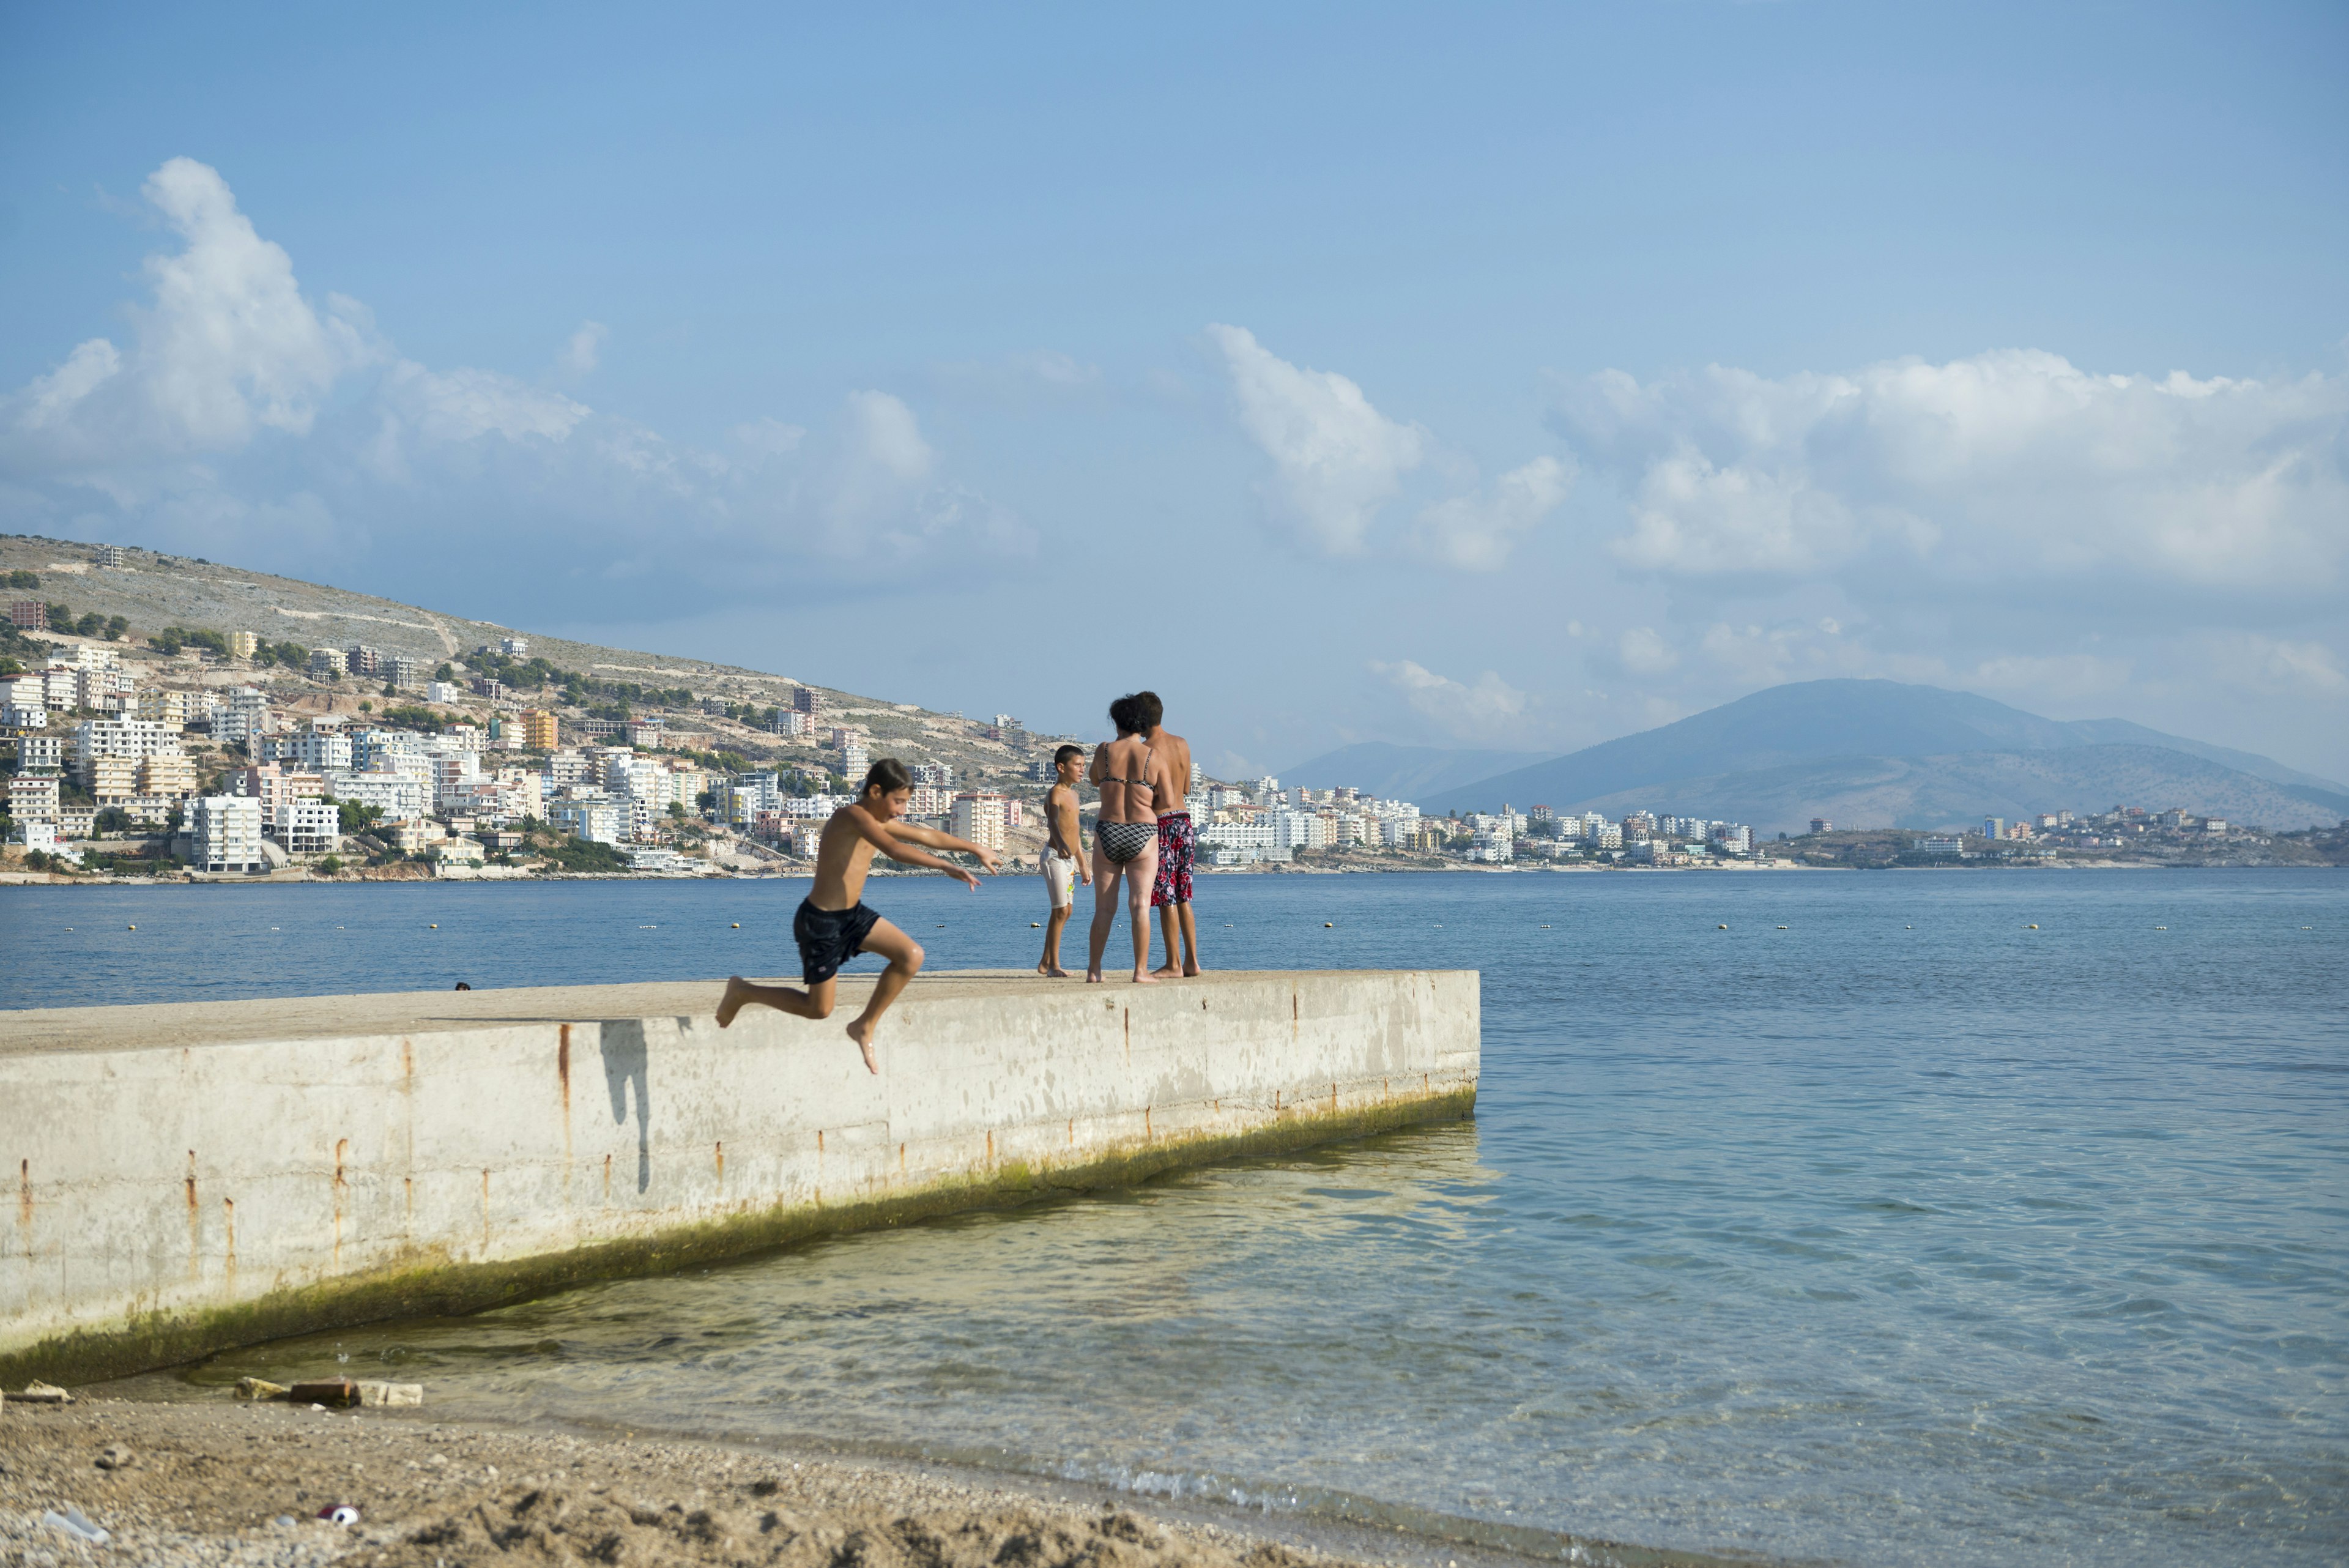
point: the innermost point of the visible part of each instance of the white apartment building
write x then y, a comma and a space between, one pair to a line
274, 784
791, 722
328, 664
40, 754
1238, 835
310, 751
1734, 836
244, 717
514, 646
33, 798
854, 761
306, 825
136, 739
399, 797
980, 816
597, 821
1299, 830
173, 710
929, 800
937, 776
224, 834
442, 692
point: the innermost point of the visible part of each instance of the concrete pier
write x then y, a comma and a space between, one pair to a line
193, 1177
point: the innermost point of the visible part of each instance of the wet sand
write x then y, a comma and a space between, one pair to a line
234, 1483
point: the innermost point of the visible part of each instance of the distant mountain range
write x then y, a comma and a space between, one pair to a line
1866, 754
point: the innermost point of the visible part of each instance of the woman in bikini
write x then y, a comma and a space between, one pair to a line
1133, 783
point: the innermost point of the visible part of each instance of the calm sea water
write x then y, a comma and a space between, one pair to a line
1906, 1233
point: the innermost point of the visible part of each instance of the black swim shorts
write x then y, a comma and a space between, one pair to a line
830, 937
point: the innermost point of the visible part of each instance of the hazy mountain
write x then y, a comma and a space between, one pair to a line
1896, 754
1400, 773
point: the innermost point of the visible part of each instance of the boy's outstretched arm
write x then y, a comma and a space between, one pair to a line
886, 841
937, 840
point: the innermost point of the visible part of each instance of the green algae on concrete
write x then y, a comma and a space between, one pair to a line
429, 1282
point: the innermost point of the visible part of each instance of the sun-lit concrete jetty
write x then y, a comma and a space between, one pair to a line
191, 1177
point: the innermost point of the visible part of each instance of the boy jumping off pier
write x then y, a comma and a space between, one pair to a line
833, 925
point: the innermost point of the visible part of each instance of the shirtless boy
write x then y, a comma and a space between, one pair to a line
1064, 855
1170, 892
833, 925
1135, 786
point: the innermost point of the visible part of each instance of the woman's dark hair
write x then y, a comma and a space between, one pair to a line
888, 776
1148, 710
1126, 714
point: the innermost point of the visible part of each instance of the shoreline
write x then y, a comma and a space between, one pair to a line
209, 1479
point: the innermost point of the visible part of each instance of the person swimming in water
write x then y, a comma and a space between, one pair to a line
833, 923
1134, 782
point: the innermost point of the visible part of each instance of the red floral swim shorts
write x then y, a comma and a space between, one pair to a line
1175, 839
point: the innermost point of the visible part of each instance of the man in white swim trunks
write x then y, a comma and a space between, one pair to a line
1064, 855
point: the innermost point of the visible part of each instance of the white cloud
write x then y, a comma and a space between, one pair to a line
463, 459
1336, 459
2006, 464
584, 351
1476, 532
1644, 651
1490, 708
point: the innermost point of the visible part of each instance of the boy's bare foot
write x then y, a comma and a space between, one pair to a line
737, 993
1168, 972
863, 1031
1142, 978
1190, 971
1056, 974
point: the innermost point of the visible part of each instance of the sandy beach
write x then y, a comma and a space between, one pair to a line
234, 1483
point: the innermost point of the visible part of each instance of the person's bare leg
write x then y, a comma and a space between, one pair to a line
1170, 969
1104, 913
1054, 924
905, 956
1190, 940
1140, 873
815, 1003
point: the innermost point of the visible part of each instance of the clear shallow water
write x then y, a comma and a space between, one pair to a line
1906, 1234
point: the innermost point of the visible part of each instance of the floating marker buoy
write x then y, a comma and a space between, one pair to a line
2032, 927
134, 928
1328, 925
1782, 928
1720, 928
1908, 928
2166, 928
1545, 928
737, 925
1034, 925
436, 925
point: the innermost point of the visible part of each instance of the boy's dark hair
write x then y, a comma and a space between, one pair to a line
1148, 710
1065, 753
888, 776
1122, 713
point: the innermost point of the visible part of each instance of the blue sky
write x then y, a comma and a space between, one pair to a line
1490, 376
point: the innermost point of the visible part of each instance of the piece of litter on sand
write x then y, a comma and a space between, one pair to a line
39, 1393
259, 1388
116, 1457
76, 1523
340, 1514
392, 1393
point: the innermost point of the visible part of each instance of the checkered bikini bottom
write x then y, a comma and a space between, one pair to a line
1122, 841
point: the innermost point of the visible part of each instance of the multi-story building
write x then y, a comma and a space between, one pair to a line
539, 731
113, 555
444, 692
936, 774
929, 800
306, 825
980, 816
807, 700
242, 644
853, 762
791, 722
362, 660
596, 820
224, 834
403, 671
399, 797
1736, 838
174, 710
29, 614
244, 719
327, 664
111, 779
167, 776
310, 751
40, 754
490, 687
33, 798
133, 738
514, 646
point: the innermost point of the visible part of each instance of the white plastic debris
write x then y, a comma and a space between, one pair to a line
76, 1523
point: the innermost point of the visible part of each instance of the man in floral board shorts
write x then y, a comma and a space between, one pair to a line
1170, 892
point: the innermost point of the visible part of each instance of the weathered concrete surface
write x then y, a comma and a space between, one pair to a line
193, 1176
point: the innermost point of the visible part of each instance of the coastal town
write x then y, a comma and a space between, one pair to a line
192, 752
